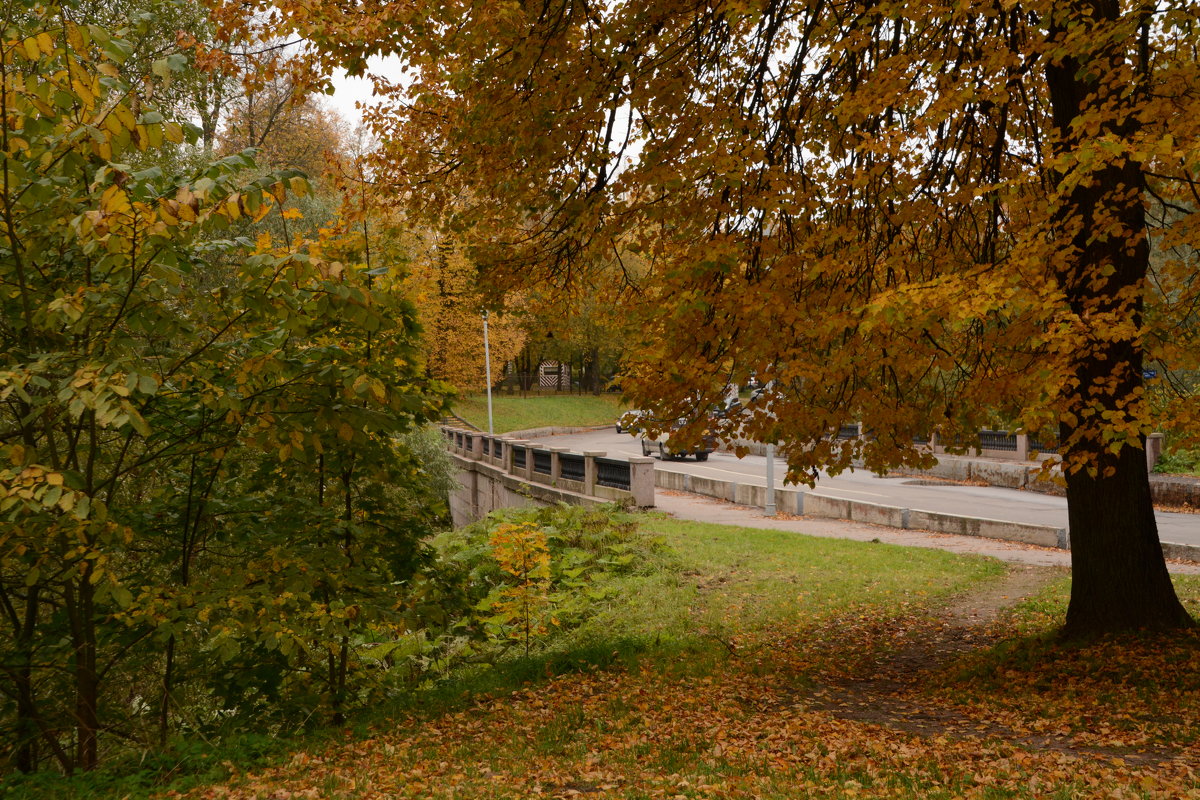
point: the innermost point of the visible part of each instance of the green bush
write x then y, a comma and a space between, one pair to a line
451, 619
1179, 461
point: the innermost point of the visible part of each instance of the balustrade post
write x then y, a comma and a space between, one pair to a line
506, 463
1022, 447
641, 480
556, 464
475, 446
590, 470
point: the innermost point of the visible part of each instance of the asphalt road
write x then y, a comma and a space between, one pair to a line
991, 502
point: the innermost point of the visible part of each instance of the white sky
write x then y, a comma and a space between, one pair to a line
348, 91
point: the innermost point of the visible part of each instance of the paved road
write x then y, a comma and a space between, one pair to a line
992, 502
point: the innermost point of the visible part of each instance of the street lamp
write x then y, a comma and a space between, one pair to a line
487, 369
770, 504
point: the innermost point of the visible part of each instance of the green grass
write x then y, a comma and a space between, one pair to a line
723, 586
721, 589
538, 411
732, 580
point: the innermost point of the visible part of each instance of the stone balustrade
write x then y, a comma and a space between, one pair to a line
499, 471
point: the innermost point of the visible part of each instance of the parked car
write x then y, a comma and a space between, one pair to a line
629, 421
662, 446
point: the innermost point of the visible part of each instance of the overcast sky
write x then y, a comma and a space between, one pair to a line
348, 91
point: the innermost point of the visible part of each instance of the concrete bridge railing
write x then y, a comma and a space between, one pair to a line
499, 471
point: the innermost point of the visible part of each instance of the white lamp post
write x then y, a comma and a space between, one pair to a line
487, 368
770, 505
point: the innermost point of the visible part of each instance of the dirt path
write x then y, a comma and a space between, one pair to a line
884, 692
890, 692
982, 608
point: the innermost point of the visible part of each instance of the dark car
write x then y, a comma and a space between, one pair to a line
662, 446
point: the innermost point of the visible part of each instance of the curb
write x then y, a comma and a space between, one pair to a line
533, 433
1181, 552
811, 504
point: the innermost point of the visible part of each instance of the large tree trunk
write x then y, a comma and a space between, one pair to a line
1120, 579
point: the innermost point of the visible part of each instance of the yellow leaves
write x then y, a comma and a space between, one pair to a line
365, 385
114, 201
34, 47
167, 211
86, 91
330, 270
149, 136
76, 38
187, 205
231, 208
520, 608
296, 185
120, 119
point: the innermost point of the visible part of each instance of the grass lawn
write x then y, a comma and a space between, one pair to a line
757, 664
511, 413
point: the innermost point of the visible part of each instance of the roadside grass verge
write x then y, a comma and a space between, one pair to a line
538, 411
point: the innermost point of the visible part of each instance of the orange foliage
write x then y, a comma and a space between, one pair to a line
911, 219
446, 289
784, 718
290, 135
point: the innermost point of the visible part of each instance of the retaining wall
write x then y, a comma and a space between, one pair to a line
810, 503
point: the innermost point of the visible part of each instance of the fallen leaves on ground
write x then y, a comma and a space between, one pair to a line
855, 706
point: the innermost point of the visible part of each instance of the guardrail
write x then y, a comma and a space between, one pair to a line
590, 474
992, 444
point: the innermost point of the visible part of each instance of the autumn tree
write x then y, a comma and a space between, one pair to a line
913, 221
288, 132
205, 491
585, 329
444, 285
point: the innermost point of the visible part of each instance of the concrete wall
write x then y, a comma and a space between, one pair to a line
483, 488
487, 483
809, 503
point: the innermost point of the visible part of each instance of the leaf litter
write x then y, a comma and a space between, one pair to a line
958, 702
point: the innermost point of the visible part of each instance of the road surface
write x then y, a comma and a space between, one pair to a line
990, 502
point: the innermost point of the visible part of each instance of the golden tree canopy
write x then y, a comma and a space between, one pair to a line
915, 218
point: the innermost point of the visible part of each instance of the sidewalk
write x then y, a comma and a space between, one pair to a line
697, 508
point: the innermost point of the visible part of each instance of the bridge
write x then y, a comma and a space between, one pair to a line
502, 472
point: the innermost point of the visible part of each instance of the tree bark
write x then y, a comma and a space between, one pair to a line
27, 731
80, 601
1120, 579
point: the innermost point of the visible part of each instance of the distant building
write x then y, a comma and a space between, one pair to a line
554, 375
